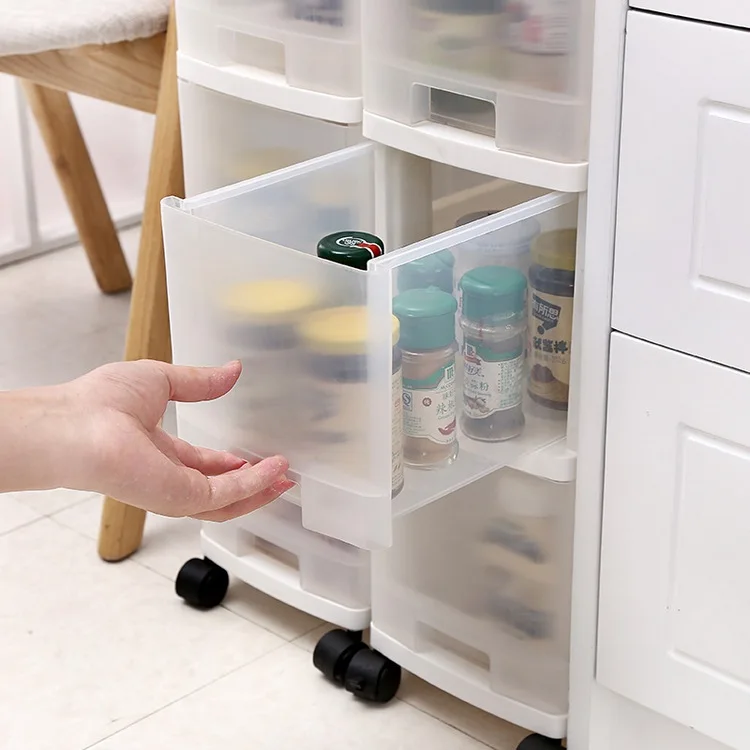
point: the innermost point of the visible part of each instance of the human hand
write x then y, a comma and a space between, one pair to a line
122, 451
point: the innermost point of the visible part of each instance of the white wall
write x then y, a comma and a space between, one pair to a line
33, 213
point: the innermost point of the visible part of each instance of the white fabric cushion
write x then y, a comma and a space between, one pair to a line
29, 26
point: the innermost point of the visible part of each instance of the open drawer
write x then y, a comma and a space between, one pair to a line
245, 282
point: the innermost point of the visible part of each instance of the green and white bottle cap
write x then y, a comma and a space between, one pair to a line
427, 318
351, 248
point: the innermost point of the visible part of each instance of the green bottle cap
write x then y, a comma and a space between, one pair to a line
351, 248
434, 270
491, 291
427, 317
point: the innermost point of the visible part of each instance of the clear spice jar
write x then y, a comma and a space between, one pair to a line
493, 322
329, 12
336, 341
432, 271
552, 282
262, 320
428, 346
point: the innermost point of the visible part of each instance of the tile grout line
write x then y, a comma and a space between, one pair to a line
183, 697
23, 525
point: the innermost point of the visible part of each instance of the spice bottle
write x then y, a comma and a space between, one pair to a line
458, 34
428, 346
351, 248
262, 321
329, 12
336, 340
509, 246
552, 282
432, 271
493, 321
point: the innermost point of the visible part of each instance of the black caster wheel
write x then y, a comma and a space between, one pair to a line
334, 651
202, 583
537, 742
372, 677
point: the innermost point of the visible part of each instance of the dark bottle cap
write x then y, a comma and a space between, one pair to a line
351, 248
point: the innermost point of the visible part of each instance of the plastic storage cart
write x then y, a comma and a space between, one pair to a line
264, 232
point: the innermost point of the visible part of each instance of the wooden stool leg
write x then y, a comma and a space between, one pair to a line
148, 330
62, 136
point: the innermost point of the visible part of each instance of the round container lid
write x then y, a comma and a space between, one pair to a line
341, 330
275, 301
434, 270
489, 291
515, 239
427, 317
555, 249
351, 248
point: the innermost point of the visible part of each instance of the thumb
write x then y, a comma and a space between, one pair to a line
200, 383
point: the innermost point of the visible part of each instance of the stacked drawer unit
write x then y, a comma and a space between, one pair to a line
674, 613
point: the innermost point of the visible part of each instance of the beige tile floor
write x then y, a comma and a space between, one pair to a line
105, 656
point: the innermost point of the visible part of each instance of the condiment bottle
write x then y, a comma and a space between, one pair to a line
337, 344
351, 248
262, 321
509, 246
493, 321
434, 270
330, 12
428, 345
552, 282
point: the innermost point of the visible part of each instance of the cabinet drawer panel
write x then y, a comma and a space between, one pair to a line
730, 12
682, 269
675, 611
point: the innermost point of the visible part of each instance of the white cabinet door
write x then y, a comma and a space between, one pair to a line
675, 586
730, 12
682, 260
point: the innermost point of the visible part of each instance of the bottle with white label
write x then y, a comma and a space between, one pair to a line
428, 346
493, 322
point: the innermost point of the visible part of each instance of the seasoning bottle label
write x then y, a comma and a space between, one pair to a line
430, 406
397, 427
493, 381
550, 332
539, 27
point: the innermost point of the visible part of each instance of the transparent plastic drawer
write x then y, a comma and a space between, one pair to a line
306, 44
226, 139
277, 554
514, 71
323, 380
474, 595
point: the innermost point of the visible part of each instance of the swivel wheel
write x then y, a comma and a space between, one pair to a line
372, 677
202, 583
334, 652
538, 742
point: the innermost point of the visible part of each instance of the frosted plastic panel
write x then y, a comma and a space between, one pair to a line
245, 282
477, 586
515, 71
310, 44
225, 139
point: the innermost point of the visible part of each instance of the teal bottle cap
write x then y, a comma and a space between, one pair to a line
491, 291
434, 270
427, 317
351, 248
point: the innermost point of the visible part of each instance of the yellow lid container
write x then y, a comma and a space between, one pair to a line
341, 330
272, 302
555, 249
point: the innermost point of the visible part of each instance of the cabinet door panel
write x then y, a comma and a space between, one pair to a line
675, 601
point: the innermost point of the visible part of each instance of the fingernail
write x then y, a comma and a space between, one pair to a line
283, 485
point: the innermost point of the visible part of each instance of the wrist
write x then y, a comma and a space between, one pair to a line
37, 448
